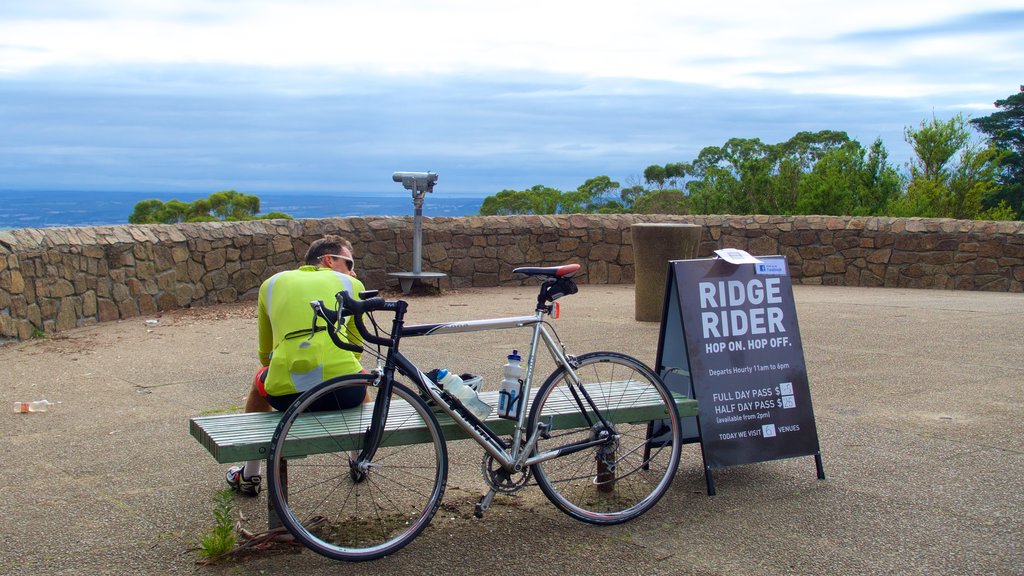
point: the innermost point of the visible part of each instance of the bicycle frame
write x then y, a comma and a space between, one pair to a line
515, 458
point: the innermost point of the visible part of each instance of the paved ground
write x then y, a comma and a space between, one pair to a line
918, 397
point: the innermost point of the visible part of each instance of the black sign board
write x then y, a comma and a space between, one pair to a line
730, 339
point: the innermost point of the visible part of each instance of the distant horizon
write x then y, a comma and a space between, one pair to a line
331, 193
52, 208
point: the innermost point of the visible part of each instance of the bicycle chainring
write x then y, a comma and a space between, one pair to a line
503, 481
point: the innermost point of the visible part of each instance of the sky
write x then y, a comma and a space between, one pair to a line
333, 96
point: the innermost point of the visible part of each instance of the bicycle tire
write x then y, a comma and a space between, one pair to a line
333, 509
613, 482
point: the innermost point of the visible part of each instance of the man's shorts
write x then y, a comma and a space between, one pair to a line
340, 400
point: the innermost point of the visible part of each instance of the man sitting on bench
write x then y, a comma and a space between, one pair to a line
292, 362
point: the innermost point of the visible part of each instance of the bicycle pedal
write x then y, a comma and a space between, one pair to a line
483, 504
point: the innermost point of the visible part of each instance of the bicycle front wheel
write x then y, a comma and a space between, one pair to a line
624, 405
354, 513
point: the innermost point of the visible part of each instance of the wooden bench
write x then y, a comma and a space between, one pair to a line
241, 437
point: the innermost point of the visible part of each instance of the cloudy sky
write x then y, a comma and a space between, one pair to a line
333, 96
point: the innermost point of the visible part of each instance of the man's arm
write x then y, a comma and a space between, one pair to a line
265, 336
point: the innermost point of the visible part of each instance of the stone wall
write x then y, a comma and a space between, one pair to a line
58, 278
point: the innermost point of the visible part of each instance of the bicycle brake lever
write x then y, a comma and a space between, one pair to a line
318, 310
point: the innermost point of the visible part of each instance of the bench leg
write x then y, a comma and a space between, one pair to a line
605, 473
273, 520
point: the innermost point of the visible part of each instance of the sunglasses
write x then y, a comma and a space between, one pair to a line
348, 261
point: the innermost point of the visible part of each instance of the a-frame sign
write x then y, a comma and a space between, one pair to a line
730, 339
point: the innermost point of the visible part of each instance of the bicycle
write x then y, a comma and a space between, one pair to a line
372, 491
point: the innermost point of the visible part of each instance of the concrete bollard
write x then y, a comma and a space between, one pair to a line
654, 245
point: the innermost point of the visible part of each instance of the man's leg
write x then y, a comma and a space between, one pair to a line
246, 479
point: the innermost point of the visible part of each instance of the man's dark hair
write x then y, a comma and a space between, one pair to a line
330, 244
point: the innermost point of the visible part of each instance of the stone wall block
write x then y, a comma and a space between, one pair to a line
34, 312
119, 292
89, 306
880, 256
179, 254
195, 271
485, 280
603, 253
244, 280
147, 306
128, 308
183, 295
214, 260
108, 311
13, 282
487, 265
8, 328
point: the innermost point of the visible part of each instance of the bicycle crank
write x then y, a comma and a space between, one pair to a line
500, 480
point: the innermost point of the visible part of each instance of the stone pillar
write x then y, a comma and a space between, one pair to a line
654, 245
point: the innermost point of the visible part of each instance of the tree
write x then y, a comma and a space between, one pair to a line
232, 205
629, 195
849, 181
952, 174
590, 197
226, 205
669, 201
539, 199
884, 183
834, 182
1005, 131
595, 195
746, 175
145, 212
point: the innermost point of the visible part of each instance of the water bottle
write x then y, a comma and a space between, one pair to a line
37, 406
466, 395
508, 396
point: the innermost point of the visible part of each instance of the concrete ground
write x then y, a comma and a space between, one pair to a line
918, 397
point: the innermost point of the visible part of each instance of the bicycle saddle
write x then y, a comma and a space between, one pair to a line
564, 271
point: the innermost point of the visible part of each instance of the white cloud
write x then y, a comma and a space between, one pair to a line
751, 44
326, 95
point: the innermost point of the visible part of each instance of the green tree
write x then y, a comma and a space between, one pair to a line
670, 201
599, 194
232, 205
833, 183
849, 181
145, 212
1005, 131
794, 159
746, 175
226, 205
884, 183
539, 199
952, 174
274, 216
590, 197
629, 195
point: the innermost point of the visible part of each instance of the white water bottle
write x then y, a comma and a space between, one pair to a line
508, 396
37, 406
466, 395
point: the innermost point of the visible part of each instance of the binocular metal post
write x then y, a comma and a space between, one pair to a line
419, 183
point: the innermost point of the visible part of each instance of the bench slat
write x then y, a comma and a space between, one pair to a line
239, 437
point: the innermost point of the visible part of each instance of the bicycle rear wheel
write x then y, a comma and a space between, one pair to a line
353, 514
623, 477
